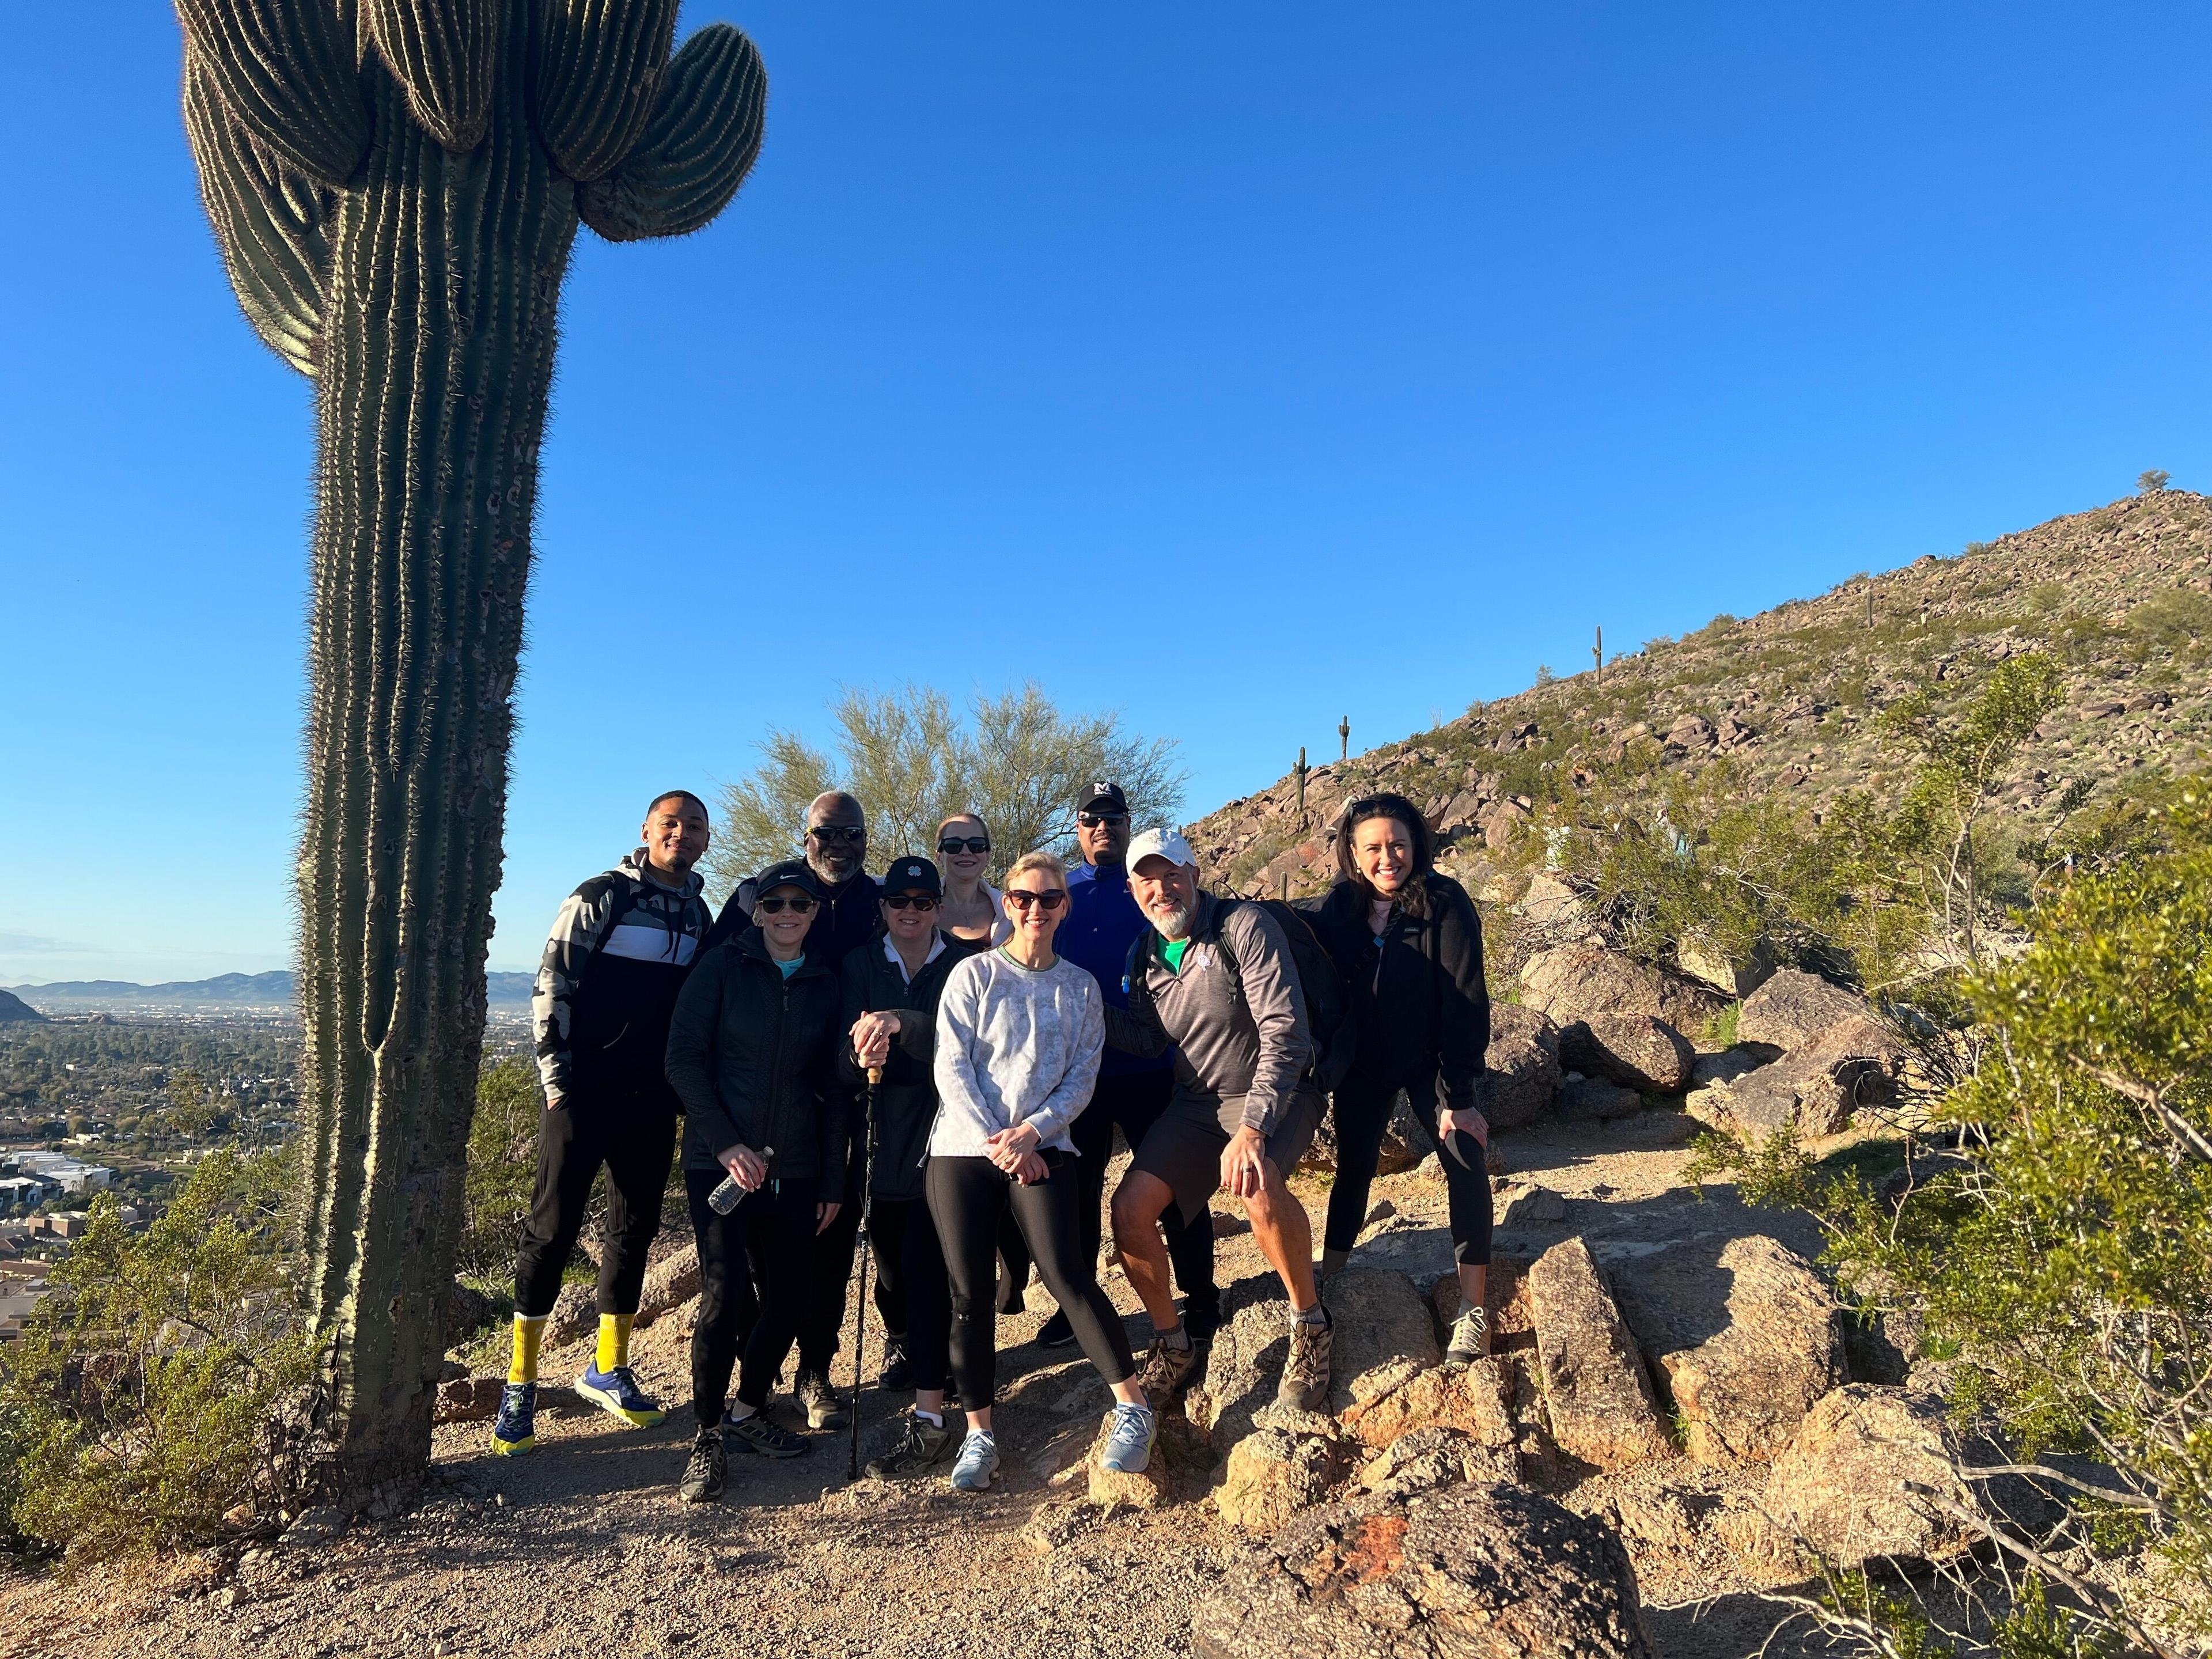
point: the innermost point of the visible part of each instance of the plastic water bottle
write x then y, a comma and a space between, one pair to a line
727, 1196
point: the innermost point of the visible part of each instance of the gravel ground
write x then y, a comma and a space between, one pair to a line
584, 1549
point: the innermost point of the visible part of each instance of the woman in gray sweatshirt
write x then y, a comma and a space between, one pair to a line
1019, 1034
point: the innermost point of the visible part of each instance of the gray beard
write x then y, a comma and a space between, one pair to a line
1174, 925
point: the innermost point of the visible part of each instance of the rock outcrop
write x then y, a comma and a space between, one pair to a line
1792, 1008
1599, 1398
1841, 1483
1577, 981
1584, 1099
1404, 1398
669, 1284
1522, 1066
1111, 1488
1638, 1051
1273, 1472
1473, 1571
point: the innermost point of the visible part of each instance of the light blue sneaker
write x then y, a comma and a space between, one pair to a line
516, 1431
1129, 1441
978, 1461
616, 1392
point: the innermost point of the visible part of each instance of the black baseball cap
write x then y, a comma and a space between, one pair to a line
791, 873
1103, 796
907, 875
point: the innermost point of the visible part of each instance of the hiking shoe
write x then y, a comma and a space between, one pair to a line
616, 1392
977, 1463
1129, 1441
920, 1443
1057, 1332
1305, 1387
896, 1375
1470, 1339
707, 1471
758, 1434
516, 1430
819, 1400
1168, 1371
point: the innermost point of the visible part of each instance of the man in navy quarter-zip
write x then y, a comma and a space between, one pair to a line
619, 953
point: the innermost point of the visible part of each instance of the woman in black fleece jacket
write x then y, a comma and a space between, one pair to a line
1409, 946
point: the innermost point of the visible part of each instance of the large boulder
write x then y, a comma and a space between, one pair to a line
467, 1310
1381, 1321
1638, 1051
1576, 982
1273, 1472
1732, 973
1745, 1337
1464, 1573
1437, 1456
1404, 1398
1793, 1007
1843, 1483
1856, 1062
1588, 1099
1599, 1398
1521, 1067
669, 1284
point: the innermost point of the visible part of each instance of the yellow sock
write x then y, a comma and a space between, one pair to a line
528, 1333
614, 1341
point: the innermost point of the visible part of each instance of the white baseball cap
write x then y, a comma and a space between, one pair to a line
1167, 844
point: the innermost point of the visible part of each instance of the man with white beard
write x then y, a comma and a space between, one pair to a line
1216, 978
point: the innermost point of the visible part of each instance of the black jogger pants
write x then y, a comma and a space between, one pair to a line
754, 1273
1363, 1104
912, 1293
635, 1140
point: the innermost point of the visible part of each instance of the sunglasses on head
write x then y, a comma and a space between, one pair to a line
1096, 820
798, 907
909, 901
847, 832
964, 844
1051, 900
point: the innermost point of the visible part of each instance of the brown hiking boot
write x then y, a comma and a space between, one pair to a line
1168, 1371
1305, 1387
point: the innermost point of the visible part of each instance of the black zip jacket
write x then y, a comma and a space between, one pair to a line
1427, 1013
753, 1056
906, 1100
849, 918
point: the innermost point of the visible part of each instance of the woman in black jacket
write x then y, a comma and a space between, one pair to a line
891, 989
753, 1055
1409, 945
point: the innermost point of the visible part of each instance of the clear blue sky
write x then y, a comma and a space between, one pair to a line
1384, 352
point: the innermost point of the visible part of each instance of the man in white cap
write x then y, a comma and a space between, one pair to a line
1216, 979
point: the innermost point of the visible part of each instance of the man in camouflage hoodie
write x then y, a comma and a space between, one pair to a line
620, 951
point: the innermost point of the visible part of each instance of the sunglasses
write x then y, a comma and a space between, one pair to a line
1050, 900
909, 901
964, 844
1096, 820
772, 907
853, 834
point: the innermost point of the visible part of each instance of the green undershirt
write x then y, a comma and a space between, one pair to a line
1171, 949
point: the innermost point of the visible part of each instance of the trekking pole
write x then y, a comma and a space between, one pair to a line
860, 1294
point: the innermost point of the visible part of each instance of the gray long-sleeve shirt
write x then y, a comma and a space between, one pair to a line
1014, 1045
1240, 1035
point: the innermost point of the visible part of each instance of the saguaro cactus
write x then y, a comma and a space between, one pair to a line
395, 185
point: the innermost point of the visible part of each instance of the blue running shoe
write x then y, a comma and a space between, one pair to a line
617, 1392
516, 1431
1129, 1441
977, 1463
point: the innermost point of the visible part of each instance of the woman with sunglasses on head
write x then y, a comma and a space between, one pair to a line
753, 1055
974, 910
891, 996
1019, 1034
1409, 945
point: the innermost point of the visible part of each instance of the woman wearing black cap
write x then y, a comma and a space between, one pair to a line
1409, 945
753, 1055
891, 992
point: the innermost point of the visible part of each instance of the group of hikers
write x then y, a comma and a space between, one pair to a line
967, 1051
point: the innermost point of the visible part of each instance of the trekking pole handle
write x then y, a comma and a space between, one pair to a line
875, 1075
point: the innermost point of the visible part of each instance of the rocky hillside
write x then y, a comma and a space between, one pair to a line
2120, 596
14, 1009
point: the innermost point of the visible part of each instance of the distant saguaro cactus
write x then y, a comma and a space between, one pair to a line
395, 185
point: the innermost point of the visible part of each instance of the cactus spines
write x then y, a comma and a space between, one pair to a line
390, 182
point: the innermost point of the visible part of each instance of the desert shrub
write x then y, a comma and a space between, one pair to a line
139, 1387
2179, 620
502, 1165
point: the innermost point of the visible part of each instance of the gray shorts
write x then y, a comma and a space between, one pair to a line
1183, 1148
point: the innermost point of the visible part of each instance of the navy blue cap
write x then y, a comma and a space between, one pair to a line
908, 875
791, 873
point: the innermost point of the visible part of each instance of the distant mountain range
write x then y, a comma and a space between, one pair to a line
270, 990
14, 1009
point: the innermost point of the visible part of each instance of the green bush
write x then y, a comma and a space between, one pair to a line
138, 1389
502, 1166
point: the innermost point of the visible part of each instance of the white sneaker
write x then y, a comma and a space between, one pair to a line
977, 1463
1129, 1443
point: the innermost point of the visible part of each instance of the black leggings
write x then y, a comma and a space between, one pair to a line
913, 1294
1363, 1112
821, 1316
754, 1273
967, 1197
1135, 1100
635, 1140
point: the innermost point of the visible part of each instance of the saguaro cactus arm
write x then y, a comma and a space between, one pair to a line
286, 70
597, 70
271, 223
445, 53
703, 138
